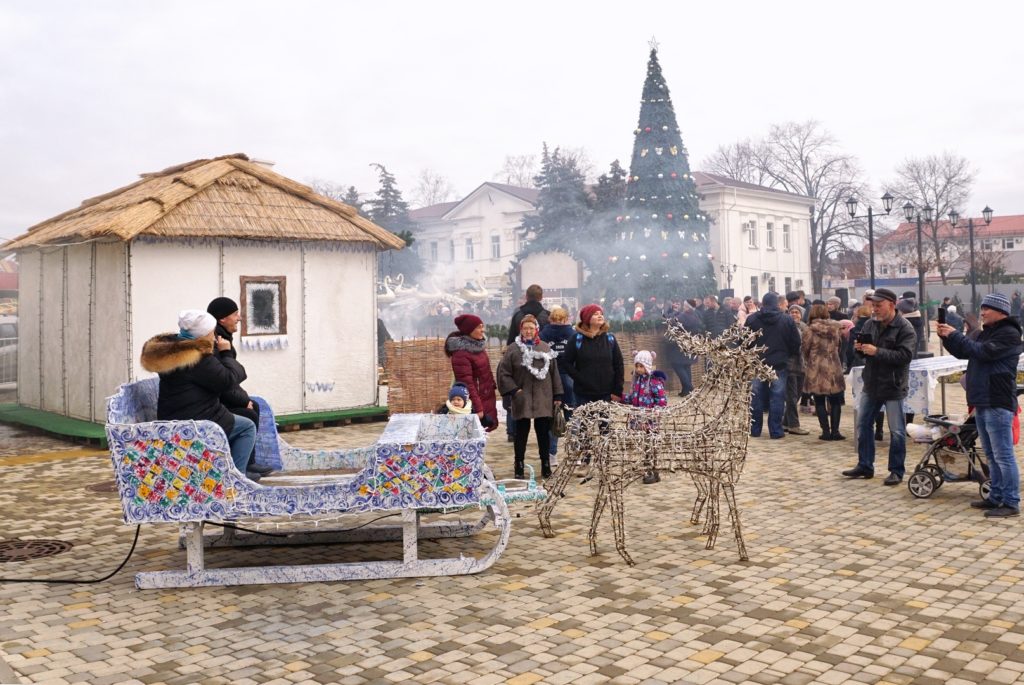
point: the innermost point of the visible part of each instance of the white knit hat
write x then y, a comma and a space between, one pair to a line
195, 323
646, 359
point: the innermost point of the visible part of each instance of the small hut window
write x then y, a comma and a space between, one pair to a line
264, 310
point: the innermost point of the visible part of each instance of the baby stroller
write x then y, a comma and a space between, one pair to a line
951, 457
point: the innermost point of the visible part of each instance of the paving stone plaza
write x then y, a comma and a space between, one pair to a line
848, 581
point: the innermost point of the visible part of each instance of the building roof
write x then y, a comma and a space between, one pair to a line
1001, 226
703, 179
224, 197
440, 210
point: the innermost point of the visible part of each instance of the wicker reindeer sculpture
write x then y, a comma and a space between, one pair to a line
705, 436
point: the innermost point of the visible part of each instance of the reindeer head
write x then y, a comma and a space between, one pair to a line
733, 355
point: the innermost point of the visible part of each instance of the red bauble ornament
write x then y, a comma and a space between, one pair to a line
618, 219
647, 130
674, 174
668, 216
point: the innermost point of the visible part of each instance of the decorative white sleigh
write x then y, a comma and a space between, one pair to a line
181, 472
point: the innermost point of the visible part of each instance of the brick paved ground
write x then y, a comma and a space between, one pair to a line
847, 582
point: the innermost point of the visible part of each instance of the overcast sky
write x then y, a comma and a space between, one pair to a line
94, 93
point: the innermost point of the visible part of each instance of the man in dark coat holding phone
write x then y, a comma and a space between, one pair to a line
886, 343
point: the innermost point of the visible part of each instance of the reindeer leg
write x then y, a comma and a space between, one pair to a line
619, 520
702, 497
600, 500
556, 486
734, 516
714, 505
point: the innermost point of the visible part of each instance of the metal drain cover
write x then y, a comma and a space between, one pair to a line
103, 487
23, 550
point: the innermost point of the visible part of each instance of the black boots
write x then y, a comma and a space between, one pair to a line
545, 467
819, 409
652, 477
520, 470
835, 411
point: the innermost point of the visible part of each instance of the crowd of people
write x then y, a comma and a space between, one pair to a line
550, 366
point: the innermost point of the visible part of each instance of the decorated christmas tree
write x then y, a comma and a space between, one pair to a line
660, 240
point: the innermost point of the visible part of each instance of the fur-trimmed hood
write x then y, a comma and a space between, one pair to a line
585, 330
456, 342
168, 352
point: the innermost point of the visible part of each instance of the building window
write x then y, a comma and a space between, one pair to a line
264, 307
769, 230
469, 249
752, 233
1007, 243
789, 284
785, 238
885, 270
451, 250
495, 247
433, 250
903, 268
753, 288
986, 244
771, 284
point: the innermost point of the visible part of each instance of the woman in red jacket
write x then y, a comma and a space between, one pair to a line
467, 348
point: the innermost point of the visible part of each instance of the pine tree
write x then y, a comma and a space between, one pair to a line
661, 246
610, 191
563, 207
388, 209
351, 198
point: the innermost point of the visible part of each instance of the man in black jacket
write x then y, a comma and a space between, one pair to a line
225, 311
781, 340
991, 390
886, 374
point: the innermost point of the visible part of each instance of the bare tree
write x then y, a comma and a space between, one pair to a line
744, 160
335, 191
942, 182
803, 158
431, 188
518, 170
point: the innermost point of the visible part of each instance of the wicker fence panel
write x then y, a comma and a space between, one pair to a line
419, 373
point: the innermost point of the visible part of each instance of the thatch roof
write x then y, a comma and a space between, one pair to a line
225, 197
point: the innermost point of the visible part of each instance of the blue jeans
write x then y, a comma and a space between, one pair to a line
867, 410
684, 369
241, 439
995, 428
770, 397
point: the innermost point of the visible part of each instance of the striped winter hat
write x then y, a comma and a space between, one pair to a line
997, 301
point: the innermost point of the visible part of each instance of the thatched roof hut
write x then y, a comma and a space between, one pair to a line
224, 197
100, 279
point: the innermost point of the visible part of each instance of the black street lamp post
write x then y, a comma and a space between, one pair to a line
925, 214
953, 218
728, 271
851, 207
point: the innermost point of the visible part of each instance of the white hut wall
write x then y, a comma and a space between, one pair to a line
51, 338
166, 277
112, 351
30, 378
341, 326
272, 362
77, 334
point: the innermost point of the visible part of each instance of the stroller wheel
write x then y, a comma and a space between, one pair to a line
985, 489
922, 484
936, 473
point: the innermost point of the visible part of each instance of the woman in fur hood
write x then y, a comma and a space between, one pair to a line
192, 380
467, 348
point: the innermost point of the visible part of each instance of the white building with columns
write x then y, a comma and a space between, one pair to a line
761, 235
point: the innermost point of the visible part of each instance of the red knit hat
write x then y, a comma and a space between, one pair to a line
588, 312
467, 323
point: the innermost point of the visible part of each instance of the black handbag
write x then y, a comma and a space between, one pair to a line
558, 422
